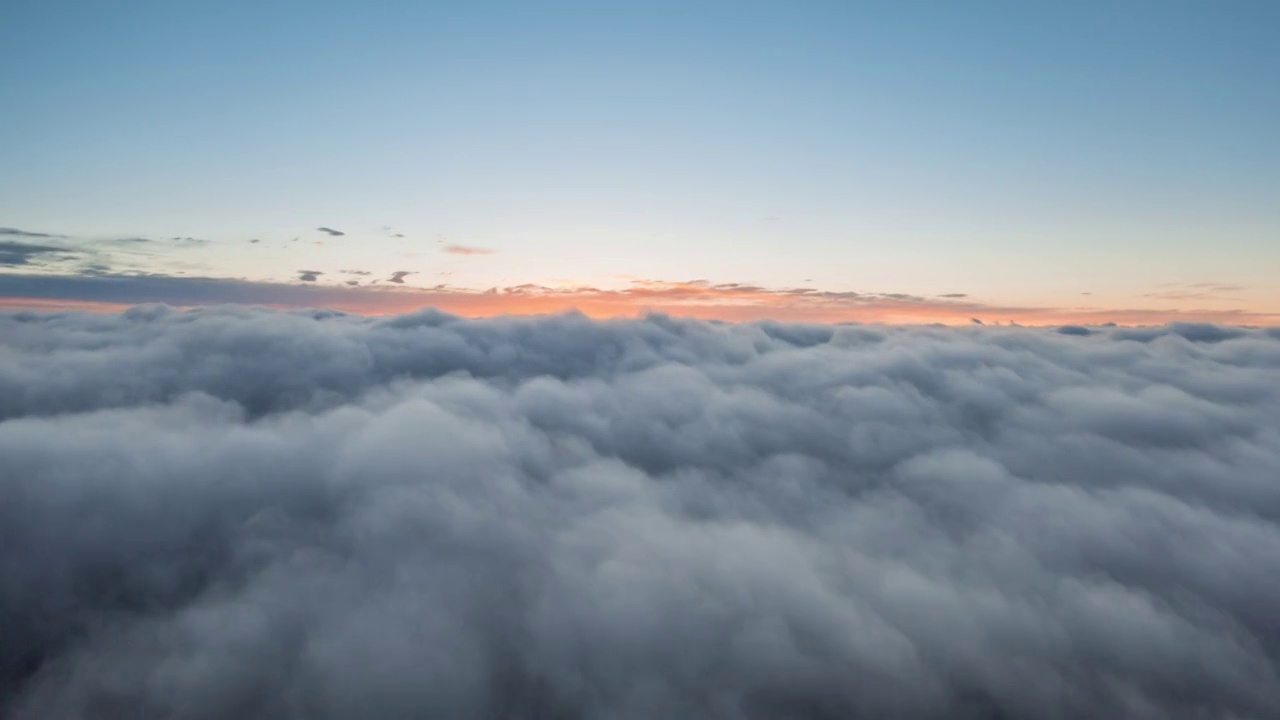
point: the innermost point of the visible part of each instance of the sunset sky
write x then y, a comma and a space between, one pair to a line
1031, 162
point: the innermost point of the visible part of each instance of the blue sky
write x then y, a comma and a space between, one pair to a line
1021, 153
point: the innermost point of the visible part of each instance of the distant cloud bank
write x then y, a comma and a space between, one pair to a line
242, 513
97, 288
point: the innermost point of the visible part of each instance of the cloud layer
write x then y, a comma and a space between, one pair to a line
236, 513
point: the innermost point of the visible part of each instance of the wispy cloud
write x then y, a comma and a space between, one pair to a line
399, 276
455, 249
331, 231
1197, 291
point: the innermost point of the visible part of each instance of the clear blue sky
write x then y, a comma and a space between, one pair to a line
1014, 151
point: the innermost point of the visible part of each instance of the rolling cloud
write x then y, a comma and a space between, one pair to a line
240, 513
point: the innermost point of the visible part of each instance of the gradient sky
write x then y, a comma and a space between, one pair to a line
1085, 160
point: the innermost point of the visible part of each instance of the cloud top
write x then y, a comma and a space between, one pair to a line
231, 513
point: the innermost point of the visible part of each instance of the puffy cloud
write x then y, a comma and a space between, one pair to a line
238, 513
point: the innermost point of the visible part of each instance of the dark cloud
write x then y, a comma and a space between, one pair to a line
330, 231
954, 295
17, 253
976, 321
354, 272
185, 291
15, 232
399, 276
94, 269
255, 240
309, 275
1074, 330
237, 513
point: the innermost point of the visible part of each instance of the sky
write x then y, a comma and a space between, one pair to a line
371, 359
893, 161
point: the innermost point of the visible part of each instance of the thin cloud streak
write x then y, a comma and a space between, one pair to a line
15, 232
697, 299
456, 249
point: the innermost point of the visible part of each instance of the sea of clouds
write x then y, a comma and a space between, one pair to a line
241, 513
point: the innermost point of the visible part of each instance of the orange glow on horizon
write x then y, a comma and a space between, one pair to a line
732, 302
